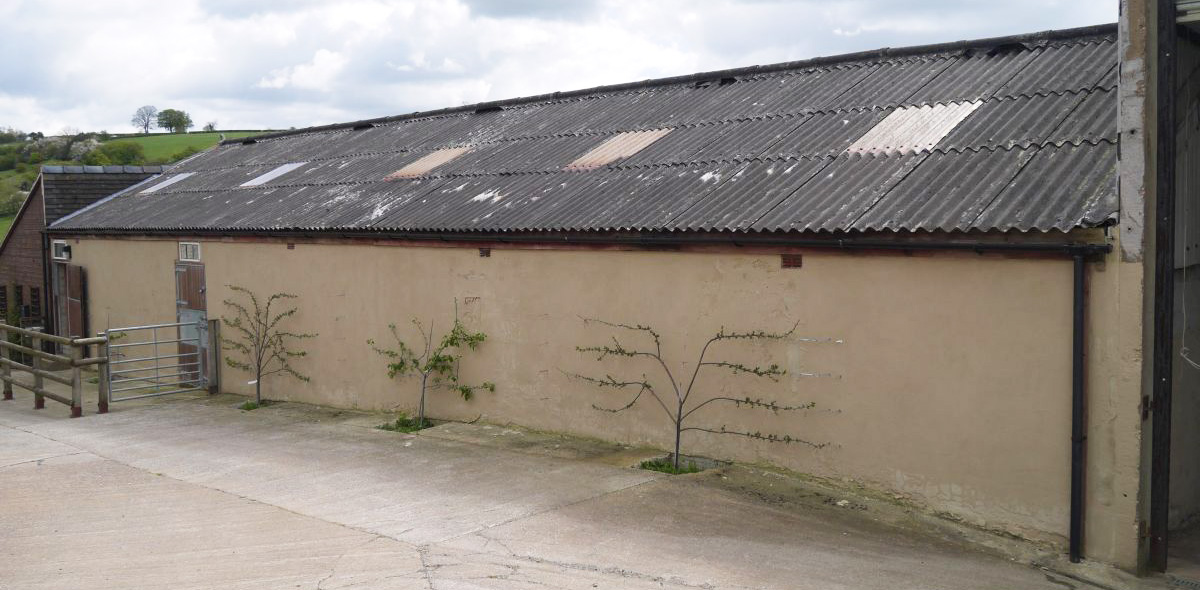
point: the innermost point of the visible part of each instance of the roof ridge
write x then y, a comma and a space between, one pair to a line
1094, 33
106, 169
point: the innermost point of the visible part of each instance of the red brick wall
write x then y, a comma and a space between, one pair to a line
21, 258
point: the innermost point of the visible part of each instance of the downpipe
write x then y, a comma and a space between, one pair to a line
1078, 437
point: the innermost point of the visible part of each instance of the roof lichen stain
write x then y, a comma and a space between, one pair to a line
492, 194
378, 211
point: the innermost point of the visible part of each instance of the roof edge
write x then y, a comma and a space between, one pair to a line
1059, 241
110, 169
886, 52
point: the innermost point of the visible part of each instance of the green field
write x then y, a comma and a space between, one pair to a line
162, 148
10, 180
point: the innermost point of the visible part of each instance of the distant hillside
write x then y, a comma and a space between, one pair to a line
167, 148
11, 194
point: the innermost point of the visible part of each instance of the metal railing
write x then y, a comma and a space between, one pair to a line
47, 366
154, 366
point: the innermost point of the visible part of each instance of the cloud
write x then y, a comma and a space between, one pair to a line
319, 74
284, 63
544, 9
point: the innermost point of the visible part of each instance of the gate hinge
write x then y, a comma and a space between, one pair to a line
1147, 406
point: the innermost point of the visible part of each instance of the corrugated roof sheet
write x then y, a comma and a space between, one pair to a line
1003, 134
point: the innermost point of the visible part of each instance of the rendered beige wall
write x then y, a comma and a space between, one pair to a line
1114, 384
955, 368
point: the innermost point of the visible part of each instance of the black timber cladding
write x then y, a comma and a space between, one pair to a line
762, 149
68, 189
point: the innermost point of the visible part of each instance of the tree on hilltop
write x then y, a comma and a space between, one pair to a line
175, 121
144, 118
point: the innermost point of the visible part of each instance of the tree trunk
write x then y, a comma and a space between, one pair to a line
258, 389
421, 403
678, 432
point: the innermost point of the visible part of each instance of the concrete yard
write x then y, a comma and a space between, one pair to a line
191, 492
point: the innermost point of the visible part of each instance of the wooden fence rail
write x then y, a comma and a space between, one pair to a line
74, 359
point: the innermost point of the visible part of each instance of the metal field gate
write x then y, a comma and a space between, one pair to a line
161, 359
158, 359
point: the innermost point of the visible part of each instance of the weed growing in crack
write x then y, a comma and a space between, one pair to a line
405, 424
668, 466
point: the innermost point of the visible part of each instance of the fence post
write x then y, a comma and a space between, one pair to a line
39, 401
5, 370
102, 372
76, 354
214, 356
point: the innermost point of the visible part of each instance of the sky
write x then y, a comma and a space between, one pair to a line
275, 64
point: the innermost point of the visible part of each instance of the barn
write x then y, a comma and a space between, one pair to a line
941, 223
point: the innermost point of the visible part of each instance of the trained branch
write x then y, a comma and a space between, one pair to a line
774, 438
264, 349
436, 364
680, 410
610, 381
752, 403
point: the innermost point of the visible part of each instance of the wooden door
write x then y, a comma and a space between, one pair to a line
191, 309
70, 300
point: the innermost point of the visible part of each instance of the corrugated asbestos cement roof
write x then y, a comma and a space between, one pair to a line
1009, 134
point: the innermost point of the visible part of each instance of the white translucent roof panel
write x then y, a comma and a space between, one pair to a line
168, 182
272, 175
913, 129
